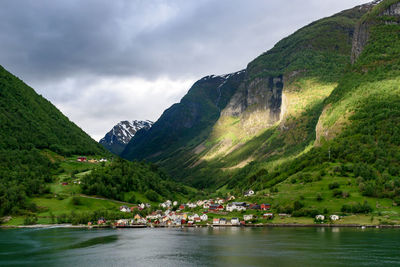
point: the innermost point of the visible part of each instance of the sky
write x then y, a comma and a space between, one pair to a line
101, 61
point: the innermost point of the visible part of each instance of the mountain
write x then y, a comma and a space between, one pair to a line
186, 124
119, 136
267, 111
30, 121
314, 121
32, 129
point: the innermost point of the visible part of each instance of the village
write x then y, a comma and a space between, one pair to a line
210, 212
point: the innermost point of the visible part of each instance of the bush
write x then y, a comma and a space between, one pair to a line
337, 193
30, 220
333, 185
76, 201
357, 208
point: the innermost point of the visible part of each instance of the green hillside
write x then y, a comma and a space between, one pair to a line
304, 117
30, 121
39, 147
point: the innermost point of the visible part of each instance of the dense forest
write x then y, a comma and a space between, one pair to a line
122, 176
29, 124
23, 174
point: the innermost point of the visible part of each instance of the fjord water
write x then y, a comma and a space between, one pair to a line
200, 247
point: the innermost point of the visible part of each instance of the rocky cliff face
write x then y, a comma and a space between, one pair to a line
363, 28
261, 94
186, 123
119, 136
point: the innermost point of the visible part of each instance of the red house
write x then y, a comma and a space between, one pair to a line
82, 159
216, 207
265, 206
182, 207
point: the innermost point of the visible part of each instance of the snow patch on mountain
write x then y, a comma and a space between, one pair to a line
120, 135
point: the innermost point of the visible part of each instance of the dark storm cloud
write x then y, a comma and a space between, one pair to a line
63, 48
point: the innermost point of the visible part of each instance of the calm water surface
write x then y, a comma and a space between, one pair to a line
200, 247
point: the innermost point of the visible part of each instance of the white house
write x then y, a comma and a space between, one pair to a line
248, 217
239, 206
191, 205
204, 217
235, 221
249, 193
320, 217
334, 217
175, 203
222, 221
124, 209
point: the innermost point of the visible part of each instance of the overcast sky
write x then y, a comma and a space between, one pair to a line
102, 61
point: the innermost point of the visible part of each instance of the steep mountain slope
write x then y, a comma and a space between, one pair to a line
270, 113
30, 121
119, 136
185, 125
29, 126
357, 136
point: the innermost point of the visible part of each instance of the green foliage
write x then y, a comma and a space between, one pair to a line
30, 121
22, 174
122, 176
30, 220
31, 130
357, 208
333, 185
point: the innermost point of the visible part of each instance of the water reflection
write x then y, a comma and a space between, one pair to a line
201, 247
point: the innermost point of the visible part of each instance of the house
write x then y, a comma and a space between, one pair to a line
220, 201
265, 206
206, 205
204, 217
191, 205
175, 203
182, 206
101, 221
197, 219
178, 222
248, 217
137, 217
216, 207
124, 209
92, 161
122, 222
64, 183
82, 159
268, 215
334, 217
239, 206
320, 217
249, 193
230, 198
235, 221
103, 160
222, 221
283, 215
215, 221
255, 207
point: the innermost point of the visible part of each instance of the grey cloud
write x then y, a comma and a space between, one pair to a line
63, 48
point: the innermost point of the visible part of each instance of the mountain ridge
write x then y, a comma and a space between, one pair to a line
119, 136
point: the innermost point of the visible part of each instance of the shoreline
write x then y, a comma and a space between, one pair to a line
271, 225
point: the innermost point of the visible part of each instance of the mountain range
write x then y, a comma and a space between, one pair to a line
321, 107
119, 136
312, 95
